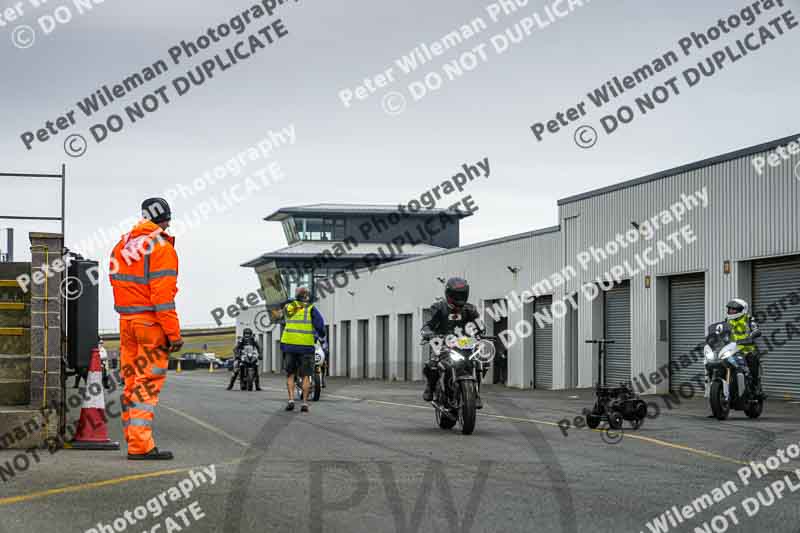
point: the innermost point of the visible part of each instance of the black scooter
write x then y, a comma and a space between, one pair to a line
614, 404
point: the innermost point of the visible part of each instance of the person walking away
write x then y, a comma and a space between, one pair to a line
302, 322
144, 276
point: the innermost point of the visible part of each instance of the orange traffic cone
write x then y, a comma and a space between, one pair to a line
92, 431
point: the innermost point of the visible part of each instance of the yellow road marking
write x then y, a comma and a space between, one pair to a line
163, 473
207, 426
105, 483
652, 440
92, 485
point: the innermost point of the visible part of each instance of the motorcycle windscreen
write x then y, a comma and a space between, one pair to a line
274, 289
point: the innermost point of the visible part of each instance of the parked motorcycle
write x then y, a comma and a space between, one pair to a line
317, 380
729, 383
462, 363
248, 366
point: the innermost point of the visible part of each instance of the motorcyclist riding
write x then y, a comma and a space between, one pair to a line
453, 315
248, 339
744, 330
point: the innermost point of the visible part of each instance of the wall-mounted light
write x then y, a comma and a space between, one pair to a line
726, 267
351, 293
648, 280
441, 279
390, 287
513, 269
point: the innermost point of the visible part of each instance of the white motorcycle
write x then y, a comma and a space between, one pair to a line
316, 378
729, 383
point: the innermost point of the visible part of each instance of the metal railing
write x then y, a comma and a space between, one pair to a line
62, 177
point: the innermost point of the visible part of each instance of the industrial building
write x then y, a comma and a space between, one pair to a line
648, 263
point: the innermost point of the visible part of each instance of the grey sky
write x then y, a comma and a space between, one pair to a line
362, 154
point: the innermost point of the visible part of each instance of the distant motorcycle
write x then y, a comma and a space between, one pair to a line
317, 380
729, 384
248, 366
462, 363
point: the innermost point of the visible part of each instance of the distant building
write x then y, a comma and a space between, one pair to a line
328, 243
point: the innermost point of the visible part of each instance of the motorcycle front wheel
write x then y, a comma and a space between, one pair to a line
317, 388
468, 409
719, 405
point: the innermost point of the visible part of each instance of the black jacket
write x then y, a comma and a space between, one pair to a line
445, 320
245, 342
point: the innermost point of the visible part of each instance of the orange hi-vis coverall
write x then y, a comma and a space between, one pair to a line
144, 277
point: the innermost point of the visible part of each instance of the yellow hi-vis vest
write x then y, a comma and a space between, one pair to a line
299, 329
740, 329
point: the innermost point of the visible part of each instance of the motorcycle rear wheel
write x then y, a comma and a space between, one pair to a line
719, 406
468, 409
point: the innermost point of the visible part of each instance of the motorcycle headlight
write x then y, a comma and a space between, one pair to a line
485, 351
455, 356
709, 353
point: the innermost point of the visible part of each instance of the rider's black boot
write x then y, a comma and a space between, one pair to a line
428, 394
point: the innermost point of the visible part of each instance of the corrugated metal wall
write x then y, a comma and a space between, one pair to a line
748, 216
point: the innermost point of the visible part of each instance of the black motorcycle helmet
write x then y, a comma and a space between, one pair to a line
247, 333
456, 292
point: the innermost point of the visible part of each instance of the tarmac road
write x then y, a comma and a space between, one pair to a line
369, 457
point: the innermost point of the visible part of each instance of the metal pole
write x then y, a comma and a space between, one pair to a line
62, 429
10, 244
63, 202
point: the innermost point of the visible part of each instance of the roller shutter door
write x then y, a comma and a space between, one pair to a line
543, 347
618, 329
686, 328
776, 291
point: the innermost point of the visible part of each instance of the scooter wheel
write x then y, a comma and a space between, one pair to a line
614, 420
636, 423
592, 420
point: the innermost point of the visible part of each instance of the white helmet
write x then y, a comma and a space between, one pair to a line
737, 308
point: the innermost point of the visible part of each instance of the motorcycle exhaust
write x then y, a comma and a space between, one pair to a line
442, 411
